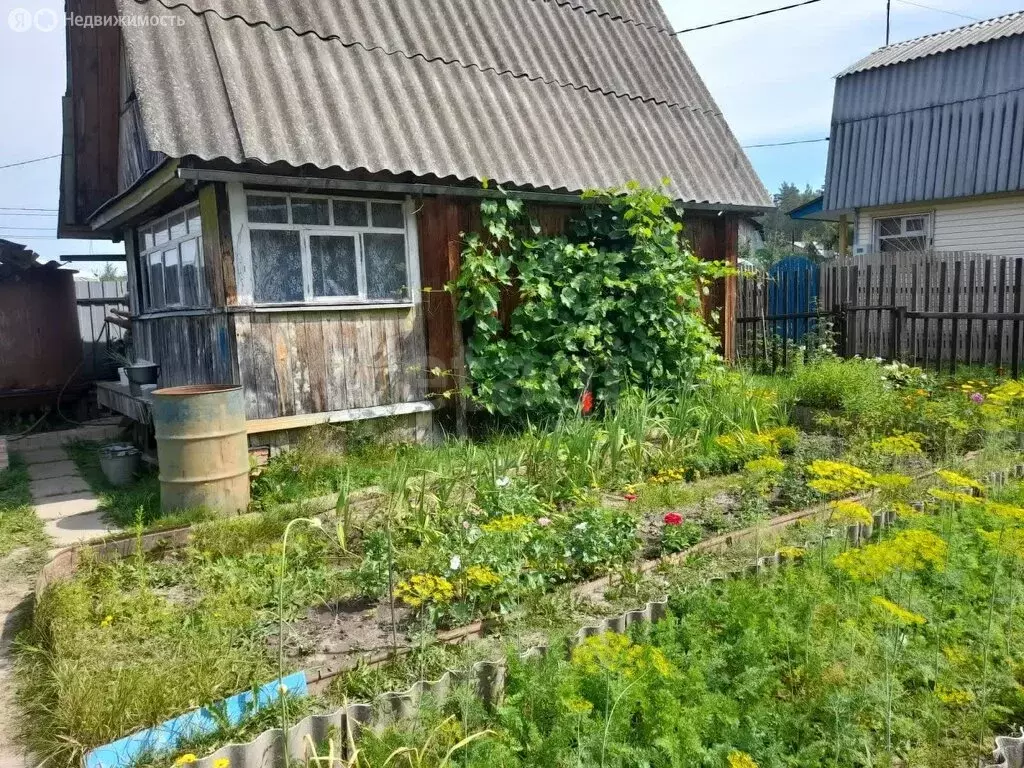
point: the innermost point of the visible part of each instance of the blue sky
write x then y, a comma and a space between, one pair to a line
772, 77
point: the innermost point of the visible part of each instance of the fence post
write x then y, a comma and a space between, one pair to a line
839, 314
899, 319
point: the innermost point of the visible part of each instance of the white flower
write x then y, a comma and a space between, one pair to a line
501, 482
581, 526
456, 563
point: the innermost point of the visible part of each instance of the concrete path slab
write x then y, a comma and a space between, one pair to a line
49, 487
56, 507
55, 469
103, 429
76, 529
42, 455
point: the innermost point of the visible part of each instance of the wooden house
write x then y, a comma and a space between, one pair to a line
290, 179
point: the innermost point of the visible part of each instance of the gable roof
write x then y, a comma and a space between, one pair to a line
549, 94
941, 42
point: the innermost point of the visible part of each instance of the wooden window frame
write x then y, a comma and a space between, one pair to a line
144, 254
238, 202
877, 238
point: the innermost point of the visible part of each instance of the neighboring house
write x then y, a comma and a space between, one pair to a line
927, 144
291, 179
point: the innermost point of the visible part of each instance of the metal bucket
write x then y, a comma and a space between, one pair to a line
202, 448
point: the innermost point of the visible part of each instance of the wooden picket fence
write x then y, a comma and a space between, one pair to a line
94, 300
936, 309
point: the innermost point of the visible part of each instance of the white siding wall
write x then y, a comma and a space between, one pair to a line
994, 226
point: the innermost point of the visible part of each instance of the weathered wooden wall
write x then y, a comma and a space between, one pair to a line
191, 348
304, 362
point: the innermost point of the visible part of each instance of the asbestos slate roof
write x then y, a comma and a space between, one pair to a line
550, 94
950, 40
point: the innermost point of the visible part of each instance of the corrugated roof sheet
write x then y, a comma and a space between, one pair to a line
950, 40
930, 129
559, 94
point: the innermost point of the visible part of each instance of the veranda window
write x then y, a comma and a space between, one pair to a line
900, 234
314, 249
171, 261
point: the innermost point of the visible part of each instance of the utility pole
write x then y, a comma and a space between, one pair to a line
888, 15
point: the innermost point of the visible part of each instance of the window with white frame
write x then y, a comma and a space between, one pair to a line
171, 261
900, 234
327, 249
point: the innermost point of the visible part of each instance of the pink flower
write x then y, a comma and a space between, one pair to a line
543, 522
977, 397
673, 518
465, 524
630, 497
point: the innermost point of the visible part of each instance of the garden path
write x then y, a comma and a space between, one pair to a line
70, 515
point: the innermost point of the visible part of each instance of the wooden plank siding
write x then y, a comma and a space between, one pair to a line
296, 363
190, 348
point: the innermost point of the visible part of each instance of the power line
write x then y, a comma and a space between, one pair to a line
785, 143
29, 229
16, 208
744, 18
30, 215
939, 10
26, 162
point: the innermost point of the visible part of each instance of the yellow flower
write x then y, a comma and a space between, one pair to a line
506, 524
482, 576
739, 759
957, 480
577, 705
846, 511
221, 762
912, 550
905, 510
1005, 511
901, 614
956, 654
953, 697
617, 654
893, 482
186, 759
1009, 542
955, 497
424, 588
791, 553
768, 465
838, 478
107, 621
897, 445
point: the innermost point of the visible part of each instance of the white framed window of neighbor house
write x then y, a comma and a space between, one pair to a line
326, 249
171, 261
908, 233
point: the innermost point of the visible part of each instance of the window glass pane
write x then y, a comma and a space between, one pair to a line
171, 269
889, 227
178, 226
349, 213
147, 239
334, 265
190, 275
307, 210
156, 280
267, 210
195, 226
160, 234
276, 265
385, 266
915, 225
388, 215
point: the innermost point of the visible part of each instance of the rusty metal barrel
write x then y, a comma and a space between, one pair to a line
202, 448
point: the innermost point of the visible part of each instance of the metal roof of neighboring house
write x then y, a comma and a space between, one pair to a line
549, 94
15, 257
941, 42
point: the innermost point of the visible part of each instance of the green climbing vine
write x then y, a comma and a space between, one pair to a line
614, 303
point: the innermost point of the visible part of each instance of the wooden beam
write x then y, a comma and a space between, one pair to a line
218, 252
844, 235
158, 186
731, 257
258, 426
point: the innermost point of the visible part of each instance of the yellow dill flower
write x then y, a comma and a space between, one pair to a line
1005, 511
901, 614
957, 480
785, 438
482, 576
904, 510
893, 482
577, 705
506, 524
838, 478
956, 654
912, 550
767, 465
1009, 542
897, 445
617, 654
953, 697
739, 759
955, 497
424, 588
846, 511
792, 553
186, 759
107, 621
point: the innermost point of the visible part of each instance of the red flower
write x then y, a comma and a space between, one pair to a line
673, 518
630, 497
587, 402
